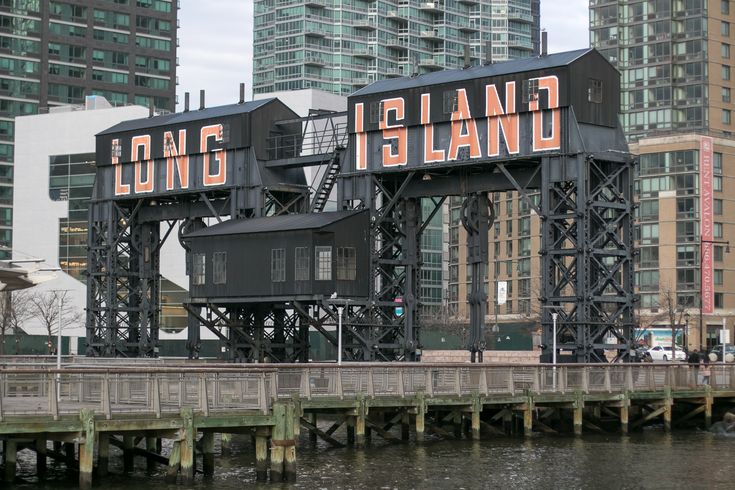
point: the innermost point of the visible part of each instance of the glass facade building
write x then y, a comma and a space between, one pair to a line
58, 52
675, 63
341, 45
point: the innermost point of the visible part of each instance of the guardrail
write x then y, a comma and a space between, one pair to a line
226, 388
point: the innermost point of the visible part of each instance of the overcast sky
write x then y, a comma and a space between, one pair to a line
216, 44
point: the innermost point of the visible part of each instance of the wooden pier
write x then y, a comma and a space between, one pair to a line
85, 410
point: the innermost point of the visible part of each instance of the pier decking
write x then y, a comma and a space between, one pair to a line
84, 410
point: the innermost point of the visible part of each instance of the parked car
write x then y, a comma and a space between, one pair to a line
717, 351
663, 353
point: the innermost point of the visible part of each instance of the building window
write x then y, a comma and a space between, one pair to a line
450, 101
719, 300
301, 272
717, 183
199, 269
718, 253
278, 265
717, 163
717, 229
686, 255
725, 29
346, 264
717, 207
725, 7
725, 72
719, 276
726, 116
219, 268
530, 90
509, 207
725, 50
726, 94
649, 257
594, 91
509, 227
323, 263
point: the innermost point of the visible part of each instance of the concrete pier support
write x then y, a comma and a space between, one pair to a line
11, 452
226, 444
208, 454
128, 454
86, 450
103, 454
40, 445
174, 463
261, 453
187, 446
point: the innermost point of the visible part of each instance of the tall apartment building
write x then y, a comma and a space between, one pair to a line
676, 69
341, 45
57, 52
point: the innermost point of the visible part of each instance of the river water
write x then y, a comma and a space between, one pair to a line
647, 459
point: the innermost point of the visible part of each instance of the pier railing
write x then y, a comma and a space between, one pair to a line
225, 388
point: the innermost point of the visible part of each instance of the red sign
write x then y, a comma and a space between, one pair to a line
706, 232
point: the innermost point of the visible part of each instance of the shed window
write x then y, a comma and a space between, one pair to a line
530, 90
594, 91
346, 264
219, 268
323, 263
278, 265
199, 269
302, 264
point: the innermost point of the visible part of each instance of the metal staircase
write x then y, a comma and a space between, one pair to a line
321, 196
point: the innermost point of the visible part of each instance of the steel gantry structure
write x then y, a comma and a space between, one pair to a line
544, 126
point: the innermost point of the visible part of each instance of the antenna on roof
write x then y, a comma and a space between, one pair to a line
467, 62
489, 52
186, 101
544, 43
414, 66
242, 94
201, 100
151, 107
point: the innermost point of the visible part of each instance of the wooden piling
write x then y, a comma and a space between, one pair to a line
277, 442
289, 456
208, 453
667, 416
41, 457
151, 445
708, 409
350, 419
624, 409
226, 444
313, 420
261, 453
128, 454
86, 449
528, 420
420, 424
103, 454
360, 429
11, 451
174, 462
578, 410
405, 425
187, 446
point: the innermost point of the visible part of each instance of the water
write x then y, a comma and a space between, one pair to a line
648, 459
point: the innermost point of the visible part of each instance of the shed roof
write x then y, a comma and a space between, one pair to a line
482, 71
287, 222
185, 117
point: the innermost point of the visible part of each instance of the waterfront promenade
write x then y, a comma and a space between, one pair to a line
84, 409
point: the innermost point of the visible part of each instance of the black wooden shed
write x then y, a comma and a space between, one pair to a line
299, 257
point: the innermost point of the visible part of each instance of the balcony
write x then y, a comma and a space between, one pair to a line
520, 16
430, 62
431, 34
314, 59
365, 52
368, 23
394, 71
436, 7
399, 42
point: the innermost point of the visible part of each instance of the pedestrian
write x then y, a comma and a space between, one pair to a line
693, 361
705, 370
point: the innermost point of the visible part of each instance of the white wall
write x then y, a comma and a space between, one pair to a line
36, 216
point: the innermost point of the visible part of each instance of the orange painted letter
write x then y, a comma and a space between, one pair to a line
171, 152
394, 131
213, 131
361, 147
461, 137
120, 188
553, 141
498, 119
430, 154
142, 186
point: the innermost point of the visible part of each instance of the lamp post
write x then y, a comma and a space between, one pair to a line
339, 336
701, 284
554, 316
686, 332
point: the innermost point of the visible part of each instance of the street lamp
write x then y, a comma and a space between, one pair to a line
701, 283
686, 332
554, 316
339, 336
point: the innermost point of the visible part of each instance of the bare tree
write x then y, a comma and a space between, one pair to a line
674, 312
15, 310
47, 306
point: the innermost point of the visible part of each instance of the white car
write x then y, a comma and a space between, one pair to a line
663, 353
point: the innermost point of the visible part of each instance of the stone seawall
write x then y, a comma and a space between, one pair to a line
489, 356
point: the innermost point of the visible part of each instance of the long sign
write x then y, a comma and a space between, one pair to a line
492, 127
707, 225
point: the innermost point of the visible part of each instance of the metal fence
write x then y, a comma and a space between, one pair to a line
224, 388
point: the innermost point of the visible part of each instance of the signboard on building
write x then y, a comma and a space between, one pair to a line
707, 225
502, 292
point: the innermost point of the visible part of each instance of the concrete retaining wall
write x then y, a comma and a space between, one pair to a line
489, 356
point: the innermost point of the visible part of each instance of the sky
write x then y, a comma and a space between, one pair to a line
216, 44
